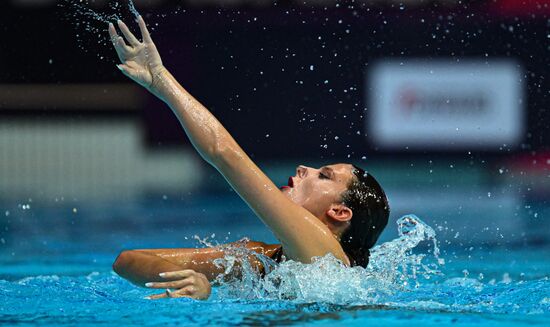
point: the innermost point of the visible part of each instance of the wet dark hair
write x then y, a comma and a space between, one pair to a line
369, 204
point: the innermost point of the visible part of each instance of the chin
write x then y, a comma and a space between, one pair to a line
289, 192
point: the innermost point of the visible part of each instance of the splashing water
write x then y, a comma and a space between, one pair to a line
394, 261
91, 25
133, 9
396, 277
393, 267
83, 9
402, 279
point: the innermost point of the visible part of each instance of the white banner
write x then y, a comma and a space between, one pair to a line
427, 104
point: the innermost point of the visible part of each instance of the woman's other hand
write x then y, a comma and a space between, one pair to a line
140, 60
185, 283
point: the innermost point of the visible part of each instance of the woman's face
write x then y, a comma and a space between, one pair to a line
316, 189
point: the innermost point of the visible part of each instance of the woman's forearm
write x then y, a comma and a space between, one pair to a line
207, 134
140, 268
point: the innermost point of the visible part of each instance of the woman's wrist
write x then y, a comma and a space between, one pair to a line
159, 82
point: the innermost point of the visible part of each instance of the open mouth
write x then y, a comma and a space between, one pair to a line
290, 184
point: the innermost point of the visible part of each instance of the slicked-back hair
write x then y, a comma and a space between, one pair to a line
369, 204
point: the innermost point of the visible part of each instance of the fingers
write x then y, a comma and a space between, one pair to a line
128, 34
162, 295
112, 32
132, 66
174, 284
144, 32
128, 71
121, 48
187, 283
125, 69
180, 274
122, 45
185, 292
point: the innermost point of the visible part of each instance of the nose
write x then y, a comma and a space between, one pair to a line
301, 171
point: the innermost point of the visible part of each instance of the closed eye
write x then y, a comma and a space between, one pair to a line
323, 176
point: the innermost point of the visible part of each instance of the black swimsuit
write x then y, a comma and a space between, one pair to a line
277, 256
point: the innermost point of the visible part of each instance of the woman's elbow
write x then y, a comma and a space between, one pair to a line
123, 261
225, 154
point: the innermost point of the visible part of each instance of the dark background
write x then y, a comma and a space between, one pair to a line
251, 65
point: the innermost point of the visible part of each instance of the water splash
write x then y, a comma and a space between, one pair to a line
291, 290
90, 24
397, 277
133, 9
243, 271
393, 262
393, 267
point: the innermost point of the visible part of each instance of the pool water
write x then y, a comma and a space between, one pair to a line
55, 268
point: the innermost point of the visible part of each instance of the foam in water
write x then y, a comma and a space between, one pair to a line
401, 275
397, 277
393, 267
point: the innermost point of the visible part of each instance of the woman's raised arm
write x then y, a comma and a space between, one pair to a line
302, 235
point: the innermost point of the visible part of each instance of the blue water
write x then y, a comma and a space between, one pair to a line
55, 268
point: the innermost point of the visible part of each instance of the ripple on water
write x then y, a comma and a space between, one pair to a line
398, 281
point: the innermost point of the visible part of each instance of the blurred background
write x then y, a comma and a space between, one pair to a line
445, 102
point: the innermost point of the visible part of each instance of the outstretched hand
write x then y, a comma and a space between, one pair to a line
140, 60
187, 283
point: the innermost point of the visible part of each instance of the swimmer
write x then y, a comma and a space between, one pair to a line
337, 209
